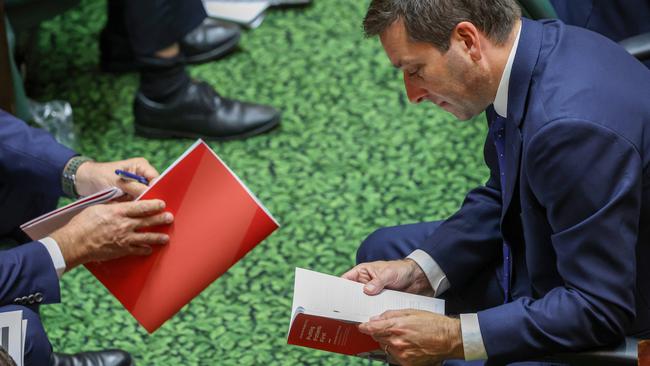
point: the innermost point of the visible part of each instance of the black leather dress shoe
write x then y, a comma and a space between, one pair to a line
99, 358
209, 41
199, 112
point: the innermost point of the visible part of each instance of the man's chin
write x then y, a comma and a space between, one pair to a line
461, 116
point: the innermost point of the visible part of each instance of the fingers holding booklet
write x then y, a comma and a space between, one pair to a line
334, 314
400, 275
109, 231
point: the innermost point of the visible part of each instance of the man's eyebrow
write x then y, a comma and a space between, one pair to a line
401, 63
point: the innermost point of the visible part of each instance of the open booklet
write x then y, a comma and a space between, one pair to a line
44, 225
327, 310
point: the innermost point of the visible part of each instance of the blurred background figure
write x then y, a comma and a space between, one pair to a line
617, 20
158, 38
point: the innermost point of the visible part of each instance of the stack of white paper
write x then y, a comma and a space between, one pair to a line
246, 13
12, 335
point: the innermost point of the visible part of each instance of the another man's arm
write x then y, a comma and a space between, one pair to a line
31, 158
28, 275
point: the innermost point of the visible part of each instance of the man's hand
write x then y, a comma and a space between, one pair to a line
104, 232
401, 275
92, 177
416, 337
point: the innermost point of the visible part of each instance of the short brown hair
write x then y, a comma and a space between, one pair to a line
433, 21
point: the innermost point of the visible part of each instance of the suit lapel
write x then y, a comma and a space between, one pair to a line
520, 80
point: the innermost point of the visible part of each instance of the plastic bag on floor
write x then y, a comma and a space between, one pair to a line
55, 117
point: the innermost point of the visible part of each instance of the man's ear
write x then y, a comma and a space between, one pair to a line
468, 38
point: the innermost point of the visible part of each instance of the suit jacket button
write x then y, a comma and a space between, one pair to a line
30, 299
17, 300
38, 297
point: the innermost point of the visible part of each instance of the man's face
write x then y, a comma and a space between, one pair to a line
452, 80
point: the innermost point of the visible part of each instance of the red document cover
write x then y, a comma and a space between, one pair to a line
330, 334
216, 222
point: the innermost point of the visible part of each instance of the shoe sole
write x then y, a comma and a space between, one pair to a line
118, 67
152, 132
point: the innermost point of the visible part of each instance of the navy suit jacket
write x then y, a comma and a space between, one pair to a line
31, 162
577, 204
615, 19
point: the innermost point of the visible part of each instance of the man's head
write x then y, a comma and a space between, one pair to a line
452, 52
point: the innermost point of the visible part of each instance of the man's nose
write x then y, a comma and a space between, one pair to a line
413, 92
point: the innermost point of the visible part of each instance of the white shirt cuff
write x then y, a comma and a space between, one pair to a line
432, 270
55, 252
472, 338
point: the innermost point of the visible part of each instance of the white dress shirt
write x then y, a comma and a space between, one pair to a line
470, 329
55, 253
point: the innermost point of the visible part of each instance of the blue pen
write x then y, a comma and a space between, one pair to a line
130, 176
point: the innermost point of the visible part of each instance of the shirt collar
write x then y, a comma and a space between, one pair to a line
501, 100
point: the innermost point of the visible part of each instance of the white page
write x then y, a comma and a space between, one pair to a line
45, 224
22, 350
319, 293
250, 13
11, 334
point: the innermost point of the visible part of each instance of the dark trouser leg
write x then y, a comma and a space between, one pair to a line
153, 25
18, 205
38, 351
397, 242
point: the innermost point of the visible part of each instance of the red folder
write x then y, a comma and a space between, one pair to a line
217, 221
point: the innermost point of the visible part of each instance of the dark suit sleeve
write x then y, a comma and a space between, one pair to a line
30, 157
27, 270
470, 240
589, 180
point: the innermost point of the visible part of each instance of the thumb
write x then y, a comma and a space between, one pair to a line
133, 189
374, 286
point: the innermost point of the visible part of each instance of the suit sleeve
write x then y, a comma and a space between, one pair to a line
28, 276
30, 157
589, 181
470, 240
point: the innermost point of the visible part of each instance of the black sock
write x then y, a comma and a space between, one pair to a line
162, 79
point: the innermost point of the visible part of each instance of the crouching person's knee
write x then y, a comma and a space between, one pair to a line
376, 247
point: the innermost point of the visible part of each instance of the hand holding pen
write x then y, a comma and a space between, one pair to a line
135, 175
130, 177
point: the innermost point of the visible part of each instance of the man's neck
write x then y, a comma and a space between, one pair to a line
500, 58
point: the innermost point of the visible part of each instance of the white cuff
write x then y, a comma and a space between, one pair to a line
472, 338
432, 270
55, 252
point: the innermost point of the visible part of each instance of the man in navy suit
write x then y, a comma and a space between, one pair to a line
36, 171
547, 256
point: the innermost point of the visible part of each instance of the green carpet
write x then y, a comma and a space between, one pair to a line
350, 156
